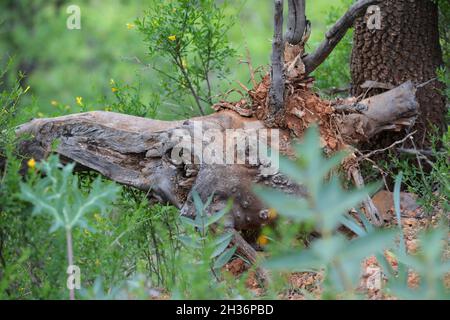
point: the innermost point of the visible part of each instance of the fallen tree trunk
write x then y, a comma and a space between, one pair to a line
137, 151
140, 152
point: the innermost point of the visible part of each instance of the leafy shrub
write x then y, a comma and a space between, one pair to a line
335, 256
129, 101
426, 175
429, 263
326, 208
58, 195
191, 34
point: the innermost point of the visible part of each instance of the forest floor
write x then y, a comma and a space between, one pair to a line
308, 284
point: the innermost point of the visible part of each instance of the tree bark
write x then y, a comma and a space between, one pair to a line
296, 21
406, 47
276, 94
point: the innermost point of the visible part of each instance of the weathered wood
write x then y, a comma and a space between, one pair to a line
138, 152
276, 93
335, 34
391, 110
296, 24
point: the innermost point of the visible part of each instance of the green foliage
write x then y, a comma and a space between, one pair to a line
429, 262
9, 103
425, 175
202, 240
58, 195
192, 36
129, 100
325, 206
208, 252
334, 72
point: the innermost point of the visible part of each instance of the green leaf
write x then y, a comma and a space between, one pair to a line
224, 258
219, 214
370, 244
286, 205
354, 226
296, 262
189, 242
223, 238
220, 248
197, 203
189, 222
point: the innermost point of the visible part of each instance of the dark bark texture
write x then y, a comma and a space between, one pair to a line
405, 48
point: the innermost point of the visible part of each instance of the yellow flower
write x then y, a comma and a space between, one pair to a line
79, 101
262, 240
130, 26
272, 214
172, 37
31, 163
114, 90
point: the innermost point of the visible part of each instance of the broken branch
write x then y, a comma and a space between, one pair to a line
276, 93
296, 21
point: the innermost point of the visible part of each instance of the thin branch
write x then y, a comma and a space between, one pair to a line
374, 152
335, 34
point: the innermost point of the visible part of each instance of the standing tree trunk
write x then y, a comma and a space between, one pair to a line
405, 47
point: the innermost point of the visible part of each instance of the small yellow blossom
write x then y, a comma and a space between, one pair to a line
262, 240
114, 89
130, 26
54, 103
272, 214
79, 101
172, 37
31, 163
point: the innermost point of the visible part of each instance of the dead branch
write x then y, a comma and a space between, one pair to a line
335, 34
276, 93
371, 211
296, 21
396, 143
390, 110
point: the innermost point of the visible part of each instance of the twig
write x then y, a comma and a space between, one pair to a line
370, 209
425, 83
250, 66
374, 152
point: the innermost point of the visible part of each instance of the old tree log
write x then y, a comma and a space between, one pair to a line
139, 152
